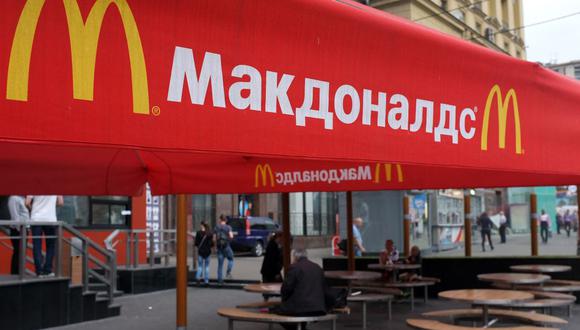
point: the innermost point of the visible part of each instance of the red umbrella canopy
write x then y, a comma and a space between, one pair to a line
259, 96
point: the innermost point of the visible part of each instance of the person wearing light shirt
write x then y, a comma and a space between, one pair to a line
18, 212
43, 209
544, 226
359, 248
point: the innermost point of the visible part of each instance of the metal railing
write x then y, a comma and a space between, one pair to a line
159, 245
98, 263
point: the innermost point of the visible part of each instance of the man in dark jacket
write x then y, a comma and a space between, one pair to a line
273, 260
485, 225
303, 288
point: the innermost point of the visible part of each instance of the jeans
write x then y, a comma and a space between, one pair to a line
37, 231
544, 232
357, 252
568, 226
486, 233
228, 254
15, 262
203, 268
502, 230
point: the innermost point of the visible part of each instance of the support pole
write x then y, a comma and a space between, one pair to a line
578, 220
349, 232
406, 227
534, 223
467, 224
181, 277
286, 241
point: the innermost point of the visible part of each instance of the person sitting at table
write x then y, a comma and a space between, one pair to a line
303, 289
413, 259
389, 255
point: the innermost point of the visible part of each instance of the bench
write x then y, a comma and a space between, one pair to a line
241, 315
548, 299
375, 286
371, 297
552, 295
270, 304
545, 304
534, 318
436, 325
411, 286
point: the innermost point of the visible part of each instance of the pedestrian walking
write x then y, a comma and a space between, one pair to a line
203, 243
359, 248
18, 212
273, 260
544, 226
43, 209
485, 224
559, 222
568, 219
223, 235
502, 227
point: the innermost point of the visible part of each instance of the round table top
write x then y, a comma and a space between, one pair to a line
514, 278
394, 266
487, 296
268, 288
352, 275
541, 268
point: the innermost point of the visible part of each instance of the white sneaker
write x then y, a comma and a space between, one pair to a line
229, 276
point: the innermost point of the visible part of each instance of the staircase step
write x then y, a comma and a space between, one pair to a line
105, 294
215, 285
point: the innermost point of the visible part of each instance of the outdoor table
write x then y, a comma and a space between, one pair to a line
514, 279
395, 268
486, 298
541, 269
350, 276
265, 288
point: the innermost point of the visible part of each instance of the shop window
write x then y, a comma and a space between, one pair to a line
577, 72
203, 209
96, 211
313, 213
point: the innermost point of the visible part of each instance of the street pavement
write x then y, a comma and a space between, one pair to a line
156, 311
247, 268
520, 245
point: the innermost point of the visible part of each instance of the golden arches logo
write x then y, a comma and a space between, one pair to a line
264, 172
388, 172
502, 112
84, 40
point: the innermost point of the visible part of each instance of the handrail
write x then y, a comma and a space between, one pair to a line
109, 240
109, 266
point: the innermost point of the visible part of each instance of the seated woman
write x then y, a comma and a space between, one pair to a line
389, 256
413, 259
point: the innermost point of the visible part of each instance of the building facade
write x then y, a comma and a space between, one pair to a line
569, 69
494, 24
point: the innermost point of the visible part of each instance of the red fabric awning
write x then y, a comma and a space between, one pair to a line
199, 96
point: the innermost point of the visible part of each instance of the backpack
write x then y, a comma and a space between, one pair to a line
222, 237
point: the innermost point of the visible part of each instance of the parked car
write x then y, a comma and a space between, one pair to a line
251, 233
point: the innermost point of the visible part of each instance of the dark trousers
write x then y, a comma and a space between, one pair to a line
502, 230
568, 227
484, 233
15, 239
544, 232
46, 266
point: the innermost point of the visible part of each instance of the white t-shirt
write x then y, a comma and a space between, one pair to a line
43, 208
